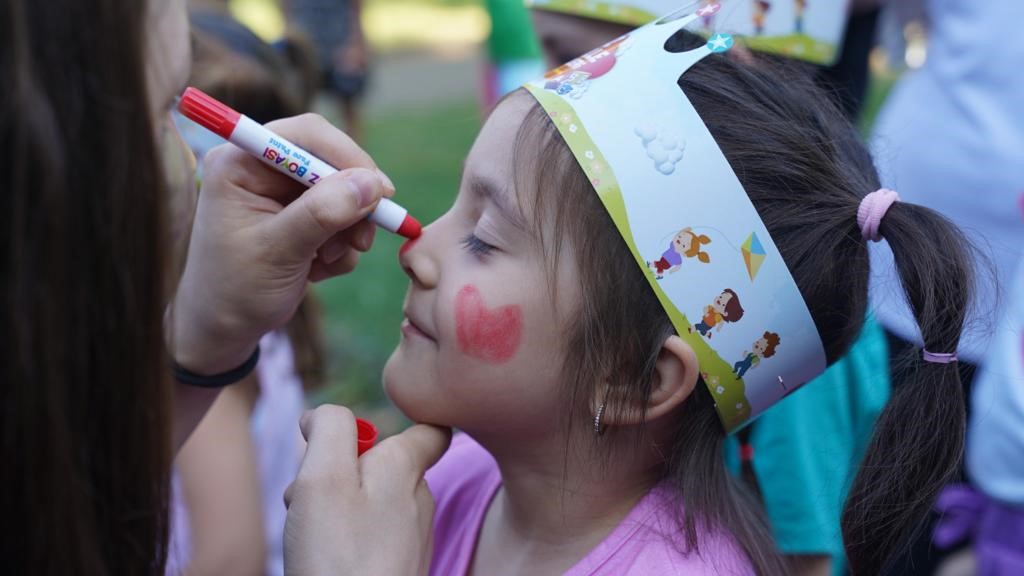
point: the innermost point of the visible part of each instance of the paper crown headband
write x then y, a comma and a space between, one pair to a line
805, 29
685, 216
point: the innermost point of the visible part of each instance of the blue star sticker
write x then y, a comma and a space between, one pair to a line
720, 42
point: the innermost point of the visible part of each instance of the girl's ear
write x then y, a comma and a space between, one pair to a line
675, 375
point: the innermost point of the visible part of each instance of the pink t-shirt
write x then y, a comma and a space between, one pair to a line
466, 479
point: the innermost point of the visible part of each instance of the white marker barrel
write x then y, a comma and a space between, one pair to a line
288, 158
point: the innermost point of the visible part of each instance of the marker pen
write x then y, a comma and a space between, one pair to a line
281, 154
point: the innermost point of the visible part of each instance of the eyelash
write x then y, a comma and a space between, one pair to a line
476, 246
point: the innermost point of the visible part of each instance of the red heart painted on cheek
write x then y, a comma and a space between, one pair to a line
489, 335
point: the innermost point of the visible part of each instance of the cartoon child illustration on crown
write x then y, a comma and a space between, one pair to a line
761, 8
799, 6
763, 348
725, 308
686, 244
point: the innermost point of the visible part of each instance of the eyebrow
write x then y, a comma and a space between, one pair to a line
488, 188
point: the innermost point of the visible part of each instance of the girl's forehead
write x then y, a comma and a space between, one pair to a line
491, 165
496, 139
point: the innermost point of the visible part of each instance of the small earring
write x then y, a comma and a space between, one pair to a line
598, 429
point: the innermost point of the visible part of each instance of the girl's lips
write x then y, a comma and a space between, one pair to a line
409, 328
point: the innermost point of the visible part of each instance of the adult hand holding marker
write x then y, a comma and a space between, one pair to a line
281, 154
262, 234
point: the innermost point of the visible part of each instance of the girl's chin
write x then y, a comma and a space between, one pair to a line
405, 392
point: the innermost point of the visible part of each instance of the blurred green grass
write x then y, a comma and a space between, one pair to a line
422, 151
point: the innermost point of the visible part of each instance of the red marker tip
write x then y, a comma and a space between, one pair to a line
366, 435
410, 228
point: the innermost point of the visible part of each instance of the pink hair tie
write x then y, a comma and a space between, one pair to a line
871, 211
939, 358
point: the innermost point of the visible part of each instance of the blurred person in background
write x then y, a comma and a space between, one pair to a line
989, 516
951, 137
801, 454
336, 33
514, 56
564, 35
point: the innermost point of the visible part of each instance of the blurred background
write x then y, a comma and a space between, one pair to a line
425, 96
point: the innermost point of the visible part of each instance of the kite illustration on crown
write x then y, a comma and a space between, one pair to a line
753, 254
656, 168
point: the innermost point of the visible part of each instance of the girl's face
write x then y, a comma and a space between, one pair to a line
760, 346
682, 242
721, 301
482, 344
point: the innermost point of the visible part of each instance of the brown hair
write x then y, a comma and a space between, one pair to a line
86, 423
733, 309
773, 341
805, 169
695, 243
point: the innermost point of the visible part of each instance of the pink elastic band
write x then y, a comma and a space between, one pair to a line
939, 358
871, 211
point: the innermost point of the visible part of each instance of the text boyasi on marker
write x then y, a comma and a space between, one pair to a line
291, 164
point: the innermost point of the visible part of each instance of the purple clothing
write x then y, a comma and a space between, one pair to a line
996, 529
645, 542
671, 256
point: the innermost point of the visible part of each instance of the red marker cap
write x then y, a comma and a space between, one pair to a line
367, 435
410, 228
218, 118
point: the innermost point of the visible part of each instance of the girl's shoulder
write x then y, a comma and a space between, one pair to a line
650, 541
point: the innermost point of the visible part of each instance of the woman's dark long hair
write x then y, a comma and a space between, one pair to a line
84, 399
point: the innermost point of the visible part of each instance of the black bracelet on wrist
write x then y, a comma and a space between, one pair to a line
217, 380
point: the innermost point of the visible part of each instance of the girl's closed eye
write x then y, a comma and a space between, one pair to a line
477, 247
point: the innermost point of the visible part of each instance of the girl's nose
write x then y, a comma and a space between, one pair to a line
417, 257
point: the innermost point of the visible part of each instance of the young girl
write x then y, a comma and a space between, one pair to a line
591, 442
763, 348
685, 244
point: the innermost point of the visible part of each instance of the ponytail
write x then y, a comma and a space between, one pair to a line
919, 438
